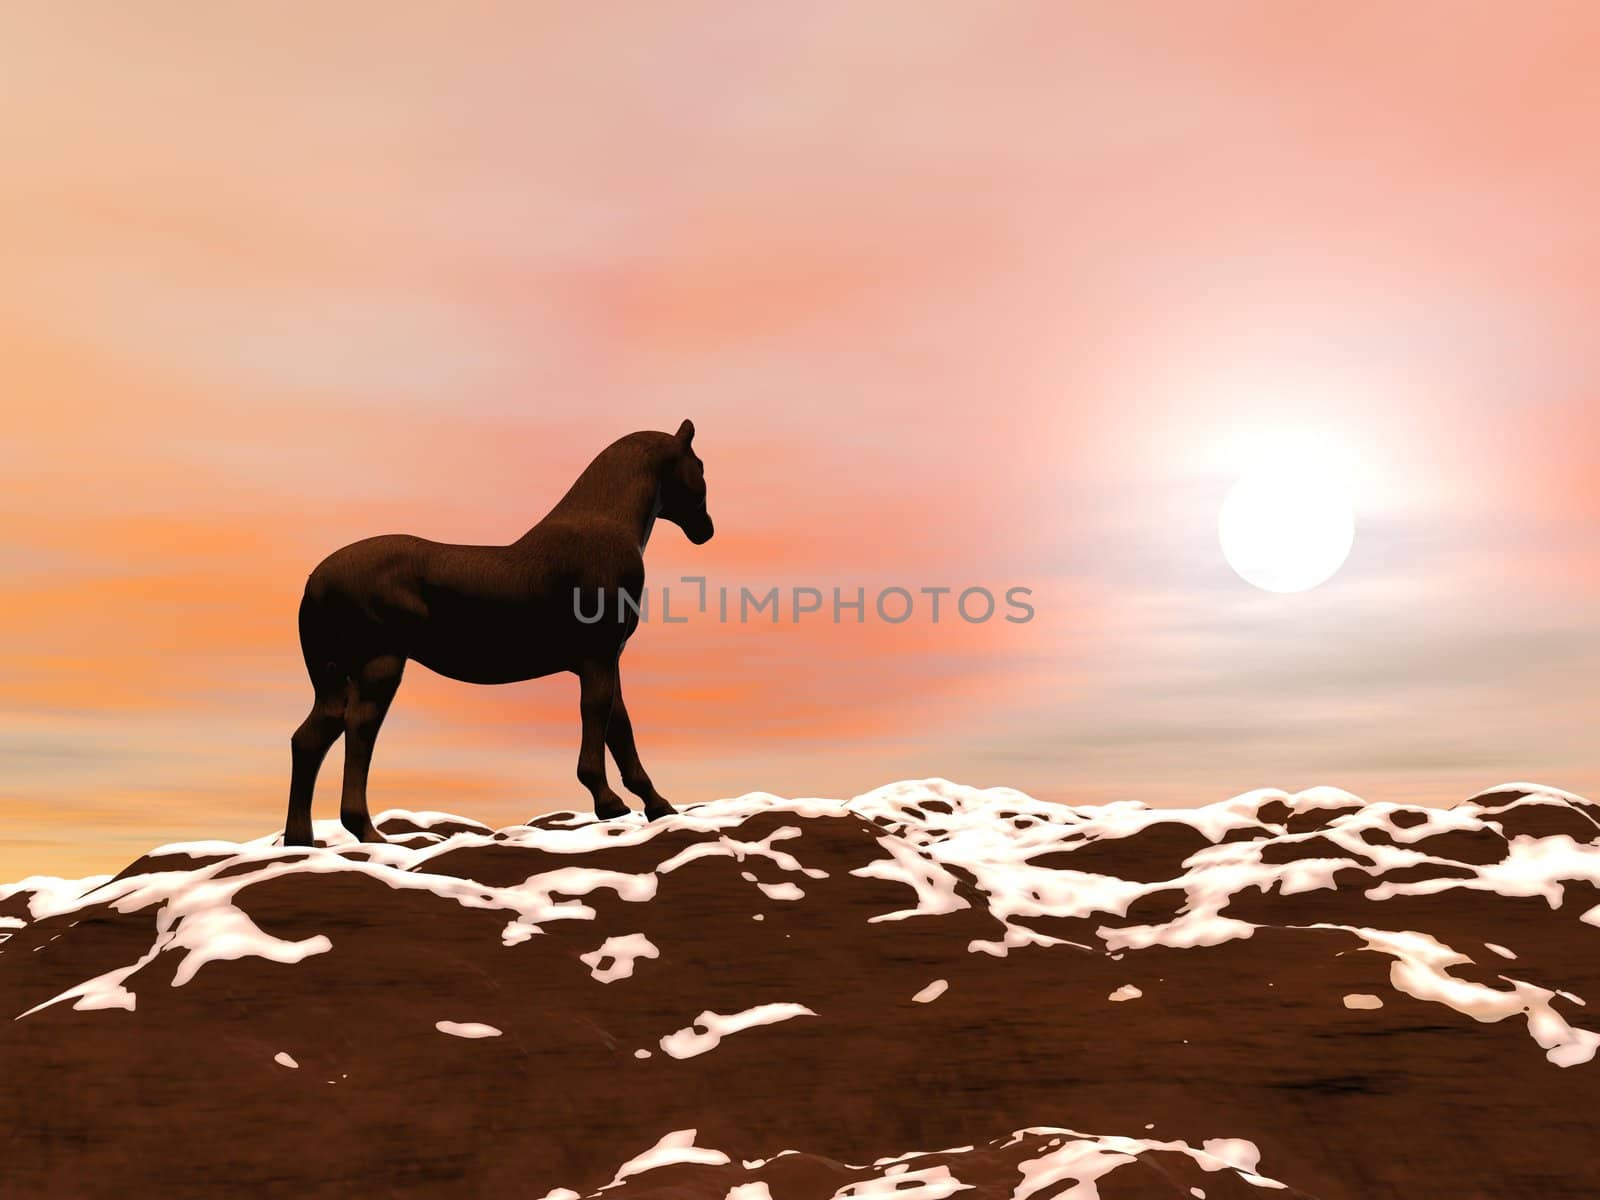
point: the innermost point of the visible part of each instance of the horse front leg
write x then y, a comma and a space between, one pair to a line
597, 696
619, 736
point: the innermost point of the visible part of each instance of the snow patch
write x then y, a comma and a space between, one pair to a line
930, 1183
1080, 1160
932, 836
781, 891
617, 955
466, 1029
676, 1147
710, 1028
1235, 1152
934, 886
1421, 970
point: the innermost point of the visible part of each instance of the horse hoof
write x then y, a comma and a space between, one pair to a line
660, 810
606, 811
299, 838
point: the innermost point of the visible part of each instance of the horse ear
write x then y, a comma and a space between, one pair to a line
686, 433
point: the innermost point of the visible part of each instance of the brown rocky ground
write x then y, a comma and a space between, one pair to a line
1274, 996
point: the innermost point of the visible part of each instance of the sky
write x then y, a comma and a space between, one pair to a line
955, 296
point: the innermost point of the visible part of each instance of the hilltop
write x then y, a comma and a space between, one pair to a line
926, 990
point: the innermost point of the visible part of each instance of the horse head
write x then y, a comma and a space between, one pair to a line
683, 490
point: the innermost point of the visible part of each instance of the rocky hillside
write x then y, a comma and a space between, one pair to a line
925, 991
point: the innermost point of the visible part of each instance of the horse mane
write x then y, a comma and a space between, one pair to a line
621, 470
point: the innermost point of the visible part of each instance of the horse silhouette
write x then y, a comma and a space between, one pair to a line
494, 614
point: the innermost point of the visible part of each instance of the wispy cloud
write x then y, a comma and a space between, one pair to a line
955, 297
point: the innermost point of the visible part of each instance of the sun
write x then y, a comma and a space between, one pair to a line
1287, 527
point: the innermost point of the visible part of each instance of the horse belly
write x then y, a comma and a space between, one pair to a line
480, 640
487, 648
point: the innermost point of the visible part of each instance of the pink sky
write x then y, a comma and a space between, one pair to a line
954, 296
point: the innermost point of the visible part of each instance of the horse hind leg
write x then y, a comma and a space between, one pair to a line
309, 745
372, 690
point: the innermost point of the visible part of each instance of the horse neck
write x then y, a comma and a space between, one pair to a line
622, 485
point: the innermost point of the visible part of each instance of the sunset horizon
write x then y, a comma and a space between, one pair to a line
953, 303
799, 602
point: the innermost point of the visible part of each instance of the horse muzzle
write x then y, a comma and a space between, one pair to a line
698, 528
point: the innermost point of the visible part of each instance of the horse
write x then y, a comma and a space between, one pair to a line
494, 614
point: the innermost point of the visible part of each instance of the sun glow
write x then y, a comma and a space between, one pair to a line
1287, 526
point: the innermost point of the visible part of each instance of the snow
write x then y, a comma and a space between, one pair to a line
616, 957
50, 895
1061, 1164
930, 1183
931, 836
427, 818
197, 915
1421, 970
710, 1028
1236, 1152
517, 932
284, 1059
1126, 992
1534, 791
932, 992
676, 1147
1081, 1160
729, 813
934, 886
781, 891
466, 1029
